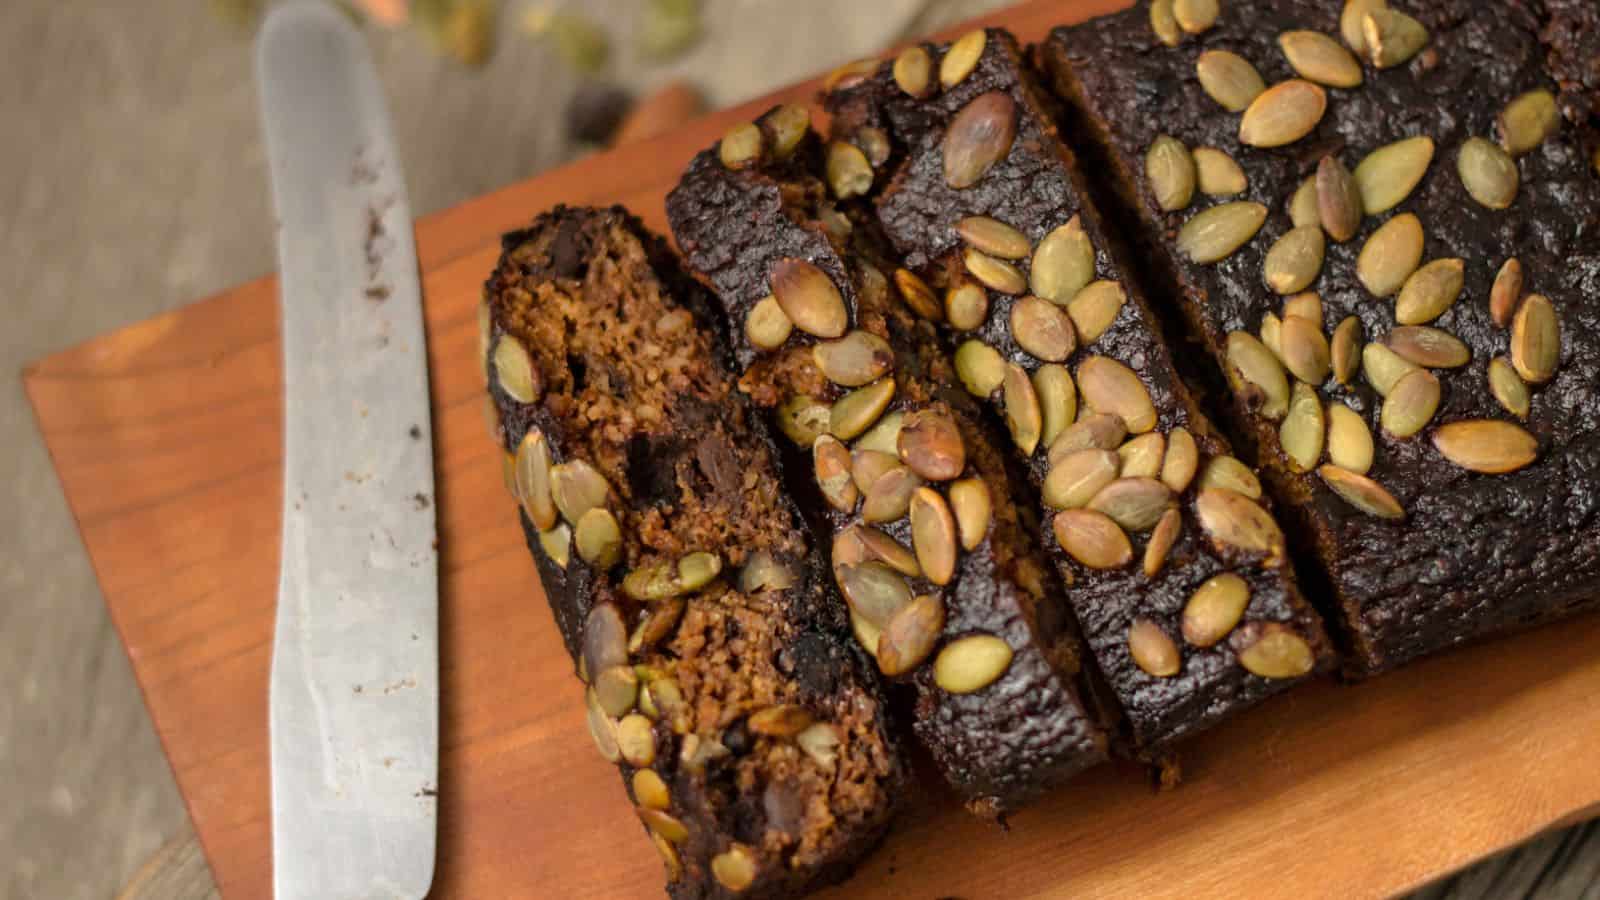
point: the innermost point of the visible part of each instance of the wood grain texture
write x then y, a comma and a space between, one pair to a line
166, 436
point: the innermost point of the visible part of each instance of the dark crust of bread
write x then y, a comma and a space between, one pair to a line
1002, 745
1037, 187
1476, 555
632, 378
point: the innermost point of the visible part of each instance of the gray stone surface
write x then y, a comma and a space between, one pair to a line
132, 181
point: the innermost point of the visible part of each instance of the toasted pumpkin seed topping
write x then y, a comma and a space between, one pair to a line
1213, 234
1528, 121
1152, 650
1361, 492
1216, 173
1283, 114
1063, 263
1387, 175
962, 57
972, 663
1319, 58
1169, 169
1486, 445
1229, 79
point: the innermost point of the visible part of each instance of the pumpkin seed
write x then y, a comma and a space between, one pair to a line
532, 479
1506, 292
1092, 539
1509, 388
971, 663
856, 359
695, 570
1181, 462
1195, 16
913, 71
1042, 329
1162, 539
636, 742
1078, 477
734, 868
1164, 23
1212, 235
1273, 650
879, 546
789, 125
1383, 367
831, 461
1295, 260
1528, 121
980, 367
979, 136
649, 790
1536, 340
1214, 609
1095, 309
1345, 350
1387, 175
1024, 419
741, 146
515, 371
1108, 386
966, 305
867, 634
658, 623
1272, 334
1429, 291
1303, 430
577, 487
809, 298
848, 75
1229, 473
994, 273
802, 419
601, 728
1258, 377
1234, 521
931, 445
962, 57
917, 295
782, 721
1170, 170
1390, 255
1410, 405
763, 572
605, 639
767, 326
969, 501
1303, 209
994, 237
1350, 22
909, 637
1099, 431
847, 169
1058, 400
1305, 305
1151, 649
883, 437
1349, 439
598, 538
1283, 114
1392, 37
821, 742
1141, 457
617, 689
890, 496
874, 592
1361, 492
1216, 174
933, 535
1339, 206
1063, 263
1429, 347
557, 544
856, 411
1319, 58
1486, 445
1488, 173
1134, 503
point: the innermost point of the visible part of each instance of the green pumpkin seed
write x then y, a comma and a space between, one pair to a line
858, 358
1108, 386
1528, 121
874, 591
1303, 210
741, 146
933, 535
830, 459
913, 71
577, 487
1235, 522
1392, 37
1162, 539
1361, 492
1306, 305
1383, 367
1486, 445
1136, 504
1229, 79
1303, 430
531, 476
979, 136
1024, 419
848, 172
969, 501
1043, 329
910, 636
557, 544
1216, 174
883, 437
1164, 23
1230, 474
980, 367
1213, 234
802, 419
598, 538
1170, 170
1350, 23
1536, 340
970, 664
880, 547
789, 124
994, 273
1390, 255
809, 298
1095, 309
1078, 477
617, 689
994, 237
1062, 263
1488, 173
890, 496
916, 293
1429, 291
1214, 609
1283, 114
1506, 292
1058, 400
1295, 260
1181, 462
1411, 405
1339, 206
931, 445
1152, 650
1319, 58
1429, 347
853, 413
1100, 431
1349, 439
962, 57
601, 728
1257, 375
1195, 16
1508, 388
966, 305
767, 326
1142, 455
1345, 349
1272, 334
1092, 539
1387, 175
514, 370
1272, 650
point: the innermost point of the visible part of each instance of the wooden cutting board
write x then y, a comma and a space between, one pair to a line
167, 439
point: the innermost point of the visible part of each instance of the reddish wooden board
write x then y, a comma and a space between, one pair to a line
167, 439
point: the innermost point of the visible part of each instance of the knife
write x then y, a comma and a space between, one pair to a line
354, 699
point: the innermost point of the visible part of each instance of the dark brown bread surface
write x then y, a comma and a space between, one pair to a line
987, 646
1179, 685
1475, 553
723, 678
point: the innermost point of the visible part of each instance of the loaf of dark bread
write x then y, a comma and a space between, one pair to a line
1174, 565
932, 546
722, 675
1364, 259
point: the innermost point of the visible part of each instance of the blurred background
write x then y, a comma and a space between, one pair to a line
132, 180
